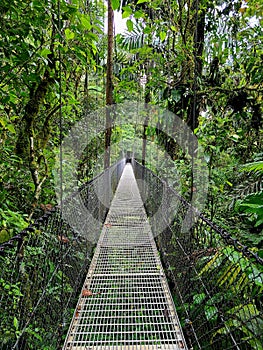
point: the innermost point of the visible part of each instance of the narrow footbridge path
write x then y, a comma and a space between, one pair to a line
125, 301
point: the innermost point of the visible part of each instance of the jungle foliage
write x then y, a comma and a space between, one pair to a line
202, 60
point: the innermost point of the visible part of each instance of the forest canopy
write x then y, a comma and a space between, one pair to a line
201, 60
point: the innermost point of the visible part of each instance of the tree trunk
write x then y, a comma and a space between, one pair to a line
31, 141
147, 100
199, 37
109, 87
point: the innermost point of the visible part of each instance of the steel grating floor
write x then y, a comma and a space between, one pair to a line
125, 302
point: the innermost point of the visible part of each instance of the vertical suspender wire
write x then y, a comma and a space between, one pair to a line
192, 124
97, 82
61, 326
96, 167
156, 122
149, 146
114, 121
141, 94
169, 81
193, 112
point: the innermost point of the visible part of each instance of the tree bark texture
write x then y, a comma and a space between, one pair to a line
109, 87
199, 37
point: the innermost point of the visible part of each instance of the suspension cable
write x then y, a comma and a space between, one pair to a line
61, 325
194, 101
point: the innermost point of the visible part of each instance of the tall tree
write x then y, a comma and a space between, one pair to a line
109, 85
30, 41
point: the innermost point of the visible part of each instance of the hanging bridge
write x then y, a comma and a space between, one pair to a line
125, 302
57, 293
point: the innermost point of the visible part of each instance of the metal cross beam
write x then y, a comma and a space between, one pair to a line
125, 302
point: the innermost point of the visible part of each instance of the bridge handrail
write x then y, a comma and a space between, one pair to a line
16, 240
239, 246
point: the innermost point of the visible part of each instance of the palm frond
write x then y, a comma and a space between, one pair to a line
254, 167
121, 57
248, 188
134, 39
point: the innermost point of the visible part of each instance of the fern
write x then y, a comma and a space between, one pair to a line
251, 184
237, 277
253, 167
121, 57
231, 269
246, 319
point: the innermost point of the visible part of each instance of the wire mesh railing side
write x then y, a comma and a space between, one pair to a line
217, 281
42, 272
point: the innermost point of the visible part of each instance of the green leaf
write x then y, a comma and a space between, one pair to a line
45, 52
142, 1
6, 125
162, 36
3, 122
37, 336
16, 323
126, 14
252, 207
211, 312
259, 222
214, 262
11, 128
255, 166
198, 298
138, 14
69, 34
252, 204
129, 24
85, 22
115, 4
147, 30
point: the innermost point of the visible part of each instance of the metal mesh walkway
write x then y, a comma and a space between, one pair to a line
125, 302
